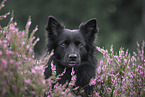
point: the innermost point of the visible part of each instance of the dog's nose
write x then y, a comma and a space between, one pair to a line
73, 57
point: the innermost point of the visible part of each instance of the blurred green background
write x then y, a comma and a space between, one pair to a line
121, 22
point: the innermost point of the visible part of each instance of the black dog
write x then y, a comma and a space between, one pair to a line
73, 48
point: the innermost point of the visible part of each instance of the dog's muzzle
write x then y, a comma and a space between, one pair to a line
73, 59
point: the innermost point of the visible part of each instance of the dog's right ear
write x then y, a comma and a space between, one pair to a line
53, 26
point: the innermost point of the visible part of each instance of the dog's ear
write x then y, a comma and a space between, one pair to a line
53, 26
89, 28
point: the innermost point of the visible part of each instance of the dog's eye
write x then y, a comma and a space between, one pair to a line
80, 45
63, 45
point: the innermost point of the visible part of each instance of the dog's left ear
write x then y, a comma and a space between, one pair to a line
89, 28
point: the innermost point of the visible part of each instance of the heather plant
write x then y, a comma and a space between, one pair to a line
21, 74
121, 74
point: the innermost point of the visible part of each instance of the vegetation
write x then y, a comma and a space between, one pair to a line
21, 75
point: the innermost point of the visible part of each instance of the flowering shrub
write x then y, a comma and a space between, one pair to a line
121, 74
22, 75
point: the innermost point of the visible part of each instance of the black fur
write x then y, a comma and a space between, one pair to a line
73, 48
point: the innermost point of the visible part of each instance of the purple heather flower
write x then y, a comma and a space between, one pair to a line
4, 62
8, 52
1, 53
28, 23
37, 39
92, 81
28, 46
76, 88
3, 91
53, 68
101, 50
73, 72
11, 61
44, 82
51, 54
33, 92
26, 88
35, 29
137, 44
2, 5
28, 81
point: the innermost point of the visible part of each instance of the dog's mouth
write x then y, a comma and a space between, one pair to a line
72, 63
73, 60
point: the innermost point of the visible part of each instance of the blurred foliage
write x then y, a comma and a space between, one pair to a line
120, 21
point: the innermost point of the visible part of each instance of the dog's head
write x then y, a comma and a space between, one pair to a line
71, 47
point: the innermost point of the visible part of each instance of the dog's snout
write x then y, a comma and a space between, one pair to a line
73, 57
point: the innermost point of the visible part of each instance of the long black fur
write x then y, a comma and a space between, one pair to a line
67, 43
